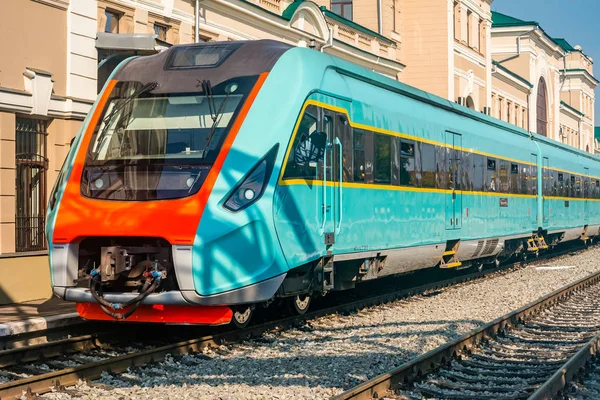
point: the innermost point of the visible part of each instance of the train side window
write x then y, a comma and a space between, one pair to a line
572, 191
532, 187
491, 184
597, 189
418, 175
359, 155
578, 192
561, 185
503, 175
553, 187
307, 149
383, 159
428, 165
466, 172
514, 178
586, 187
369, 157
478, 172
441, 168
395, 161
407, 163
344, 133
523, 178
567, 185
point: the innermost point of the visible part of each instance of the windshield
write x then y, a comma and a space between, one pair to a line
163, 127
158, 146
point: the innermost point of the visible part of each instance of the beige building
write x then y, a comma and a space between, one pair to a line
457, 49
47, 85
541, 83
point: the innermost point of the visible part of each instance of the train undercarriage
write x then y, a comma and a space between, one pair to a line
143, 268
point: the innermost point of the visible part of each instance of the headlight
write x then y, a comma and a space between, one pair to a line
253, 185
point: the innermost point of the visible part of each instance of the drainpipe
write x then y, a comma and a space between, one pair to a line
579, 131
329, 40
379, 17
197, 22
535, 28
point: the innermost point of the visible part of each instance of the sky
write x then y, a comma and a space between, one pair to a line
578, 21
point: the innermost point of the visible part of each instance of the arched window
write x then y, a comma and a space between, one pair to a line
542, 116
470, 103
587, 148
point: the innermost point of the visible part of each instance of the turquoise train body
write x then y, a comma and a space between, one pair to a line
326, 175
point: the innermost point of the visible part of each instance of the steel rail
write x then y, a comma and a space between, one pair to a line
44, 383
413, 370
576, 365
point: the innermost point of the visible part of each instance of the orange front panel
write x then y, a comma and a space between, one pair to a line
174, 220
201, 315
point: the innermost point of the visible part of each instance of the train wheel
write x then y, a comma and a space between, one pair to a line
299, 304
241, 316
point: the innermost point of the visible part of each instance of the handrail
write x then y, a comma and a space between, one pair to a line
339, 225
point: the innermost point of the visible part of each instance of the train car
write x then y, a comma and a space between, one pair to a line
213, 178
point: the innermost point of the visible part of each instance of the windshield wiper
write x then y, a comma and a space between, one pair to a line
215, 115
148, 87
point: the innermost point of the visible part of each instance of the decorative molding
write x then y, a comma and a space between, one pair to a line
60, 4
16, 101
499, 92
469, 54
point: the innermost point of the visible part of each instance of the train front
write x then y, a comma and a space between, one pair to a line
124, 215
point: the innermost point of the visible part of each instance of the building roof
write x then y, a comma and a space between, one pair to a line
500, 20
565, 45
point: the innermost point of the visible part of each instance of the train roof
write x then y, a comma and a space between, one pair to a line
358, 72
179, 68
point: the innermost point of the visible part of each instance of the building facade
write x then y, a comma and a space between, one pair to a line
457, 49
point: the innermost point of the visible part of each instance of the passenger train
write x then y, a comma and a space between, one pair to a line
214, 178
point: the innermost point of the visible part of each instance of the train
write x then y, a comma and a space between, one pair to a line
212, 179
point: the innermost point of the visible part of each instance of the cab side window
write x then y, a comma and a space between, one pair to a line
307, 149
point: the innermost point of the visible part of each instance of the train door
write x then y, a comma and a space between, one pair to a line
454, 199
337, 129
586, 195
533, 189
546, 190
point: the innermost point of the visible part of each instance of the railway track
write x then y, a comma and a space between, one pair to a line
530, 353
46, 366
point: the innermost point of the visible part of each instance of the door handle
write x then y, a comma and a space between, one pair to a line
339, 225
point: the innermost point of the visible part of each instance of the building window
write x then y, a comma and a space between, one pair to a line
31, 165
508, 112
542, 117
161, 32
396, 17
469, 39
456, 21
342, 8
112, 21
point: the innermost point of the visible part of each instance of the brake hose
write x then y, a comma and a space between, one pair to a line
147, 289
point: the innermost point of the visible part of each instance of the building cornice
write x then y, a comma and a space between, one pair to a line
581, 72
497, 68
572, 110
551, 47
469, 54
61, 4
18, 101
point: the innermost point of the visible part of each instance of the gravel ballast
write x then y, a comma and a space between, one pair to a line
331, 354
